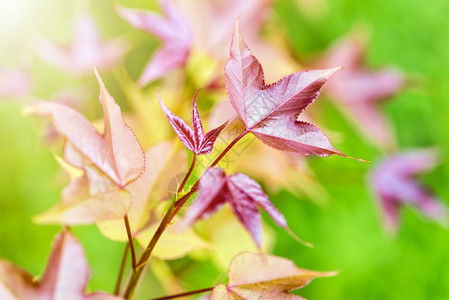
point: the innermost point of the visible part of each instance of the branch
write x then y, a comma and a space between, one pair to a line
121, 270
184, 294
168, 217
130, 241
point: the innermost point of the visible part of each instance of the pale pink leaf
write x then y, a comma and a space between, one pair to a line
65, 277
264, 276
117, 153
128, 155
15, 82
86, 50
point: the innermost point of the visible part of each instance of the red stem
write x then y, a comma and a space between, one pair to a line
121, 270
184, 294
184, 181
130, 242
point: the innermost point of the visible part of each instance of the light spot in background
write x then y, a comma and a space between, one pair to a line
16, 19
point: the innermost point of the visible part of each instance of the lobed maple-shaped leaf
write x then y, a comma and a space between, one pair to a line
193, 137
394, 183
172, 29
263, 276
282, 169
74, 98
271, 112
87, 49
358, 91
243, 194
65, 276
108, 162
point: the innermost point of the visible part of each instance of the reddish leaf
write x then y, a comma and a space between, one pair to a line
65, 277
270, 111
197, 125
394, 183
86, 50
210, 138
173, 30
194, 139
242, 193
263, 276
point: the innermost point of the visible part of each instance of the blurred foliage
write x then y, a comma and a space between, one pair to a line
347, 231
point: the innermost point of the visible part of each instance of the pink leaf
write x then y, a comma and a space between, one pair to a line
194, 139
116, 152
271, 111
210, 138
184, 132
197, 125
394, 183
86, 50
263, 276
65, 277
15, 82
255, 192
108, 163
210, 196
242, 193
172, 29
358, 91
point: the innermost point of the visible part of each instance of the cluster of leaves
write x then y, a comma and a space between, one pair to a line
121, 188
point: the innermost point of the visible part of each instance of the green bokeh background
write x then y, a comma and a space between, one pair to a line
347, 232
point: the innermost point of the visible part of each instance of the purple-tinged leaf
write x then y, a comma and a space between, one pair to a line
194, 139
394, 183
197, 125
271, 111
210, 196
358, 92
172, 29
210, 138
255, 192
242, 193
244, 207
183, 131
65, 277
